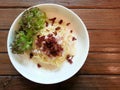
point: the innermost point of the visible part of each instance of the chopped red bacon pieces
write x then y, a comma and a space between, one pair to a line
53, 20
71, 31
31, 55
42, 38
46, 23
38, 65
55, 33
69, 58
61, 21
67, 24
73, 39
57, 28
50, 45
50, 35
70, 61
39, 40
38, 36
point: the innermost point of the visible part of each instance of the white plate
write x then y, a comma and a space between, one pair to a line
29, 69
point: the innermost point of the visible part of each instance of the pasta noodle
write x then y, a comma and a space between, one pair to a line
64, 38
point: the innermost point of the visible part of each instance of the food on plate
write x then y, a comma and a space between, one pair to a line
47, 41
31, 22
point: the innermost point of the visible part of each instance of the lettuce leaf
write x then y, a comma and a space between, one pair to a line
32, 21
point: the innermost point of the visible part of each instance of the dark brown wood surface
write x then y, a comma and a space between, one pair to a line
101, 70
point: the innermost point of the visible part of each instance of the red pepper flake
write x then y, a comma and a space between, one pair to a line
61, 21
69, 58
38, 65
46, 23
67, 24
73, 39
53, 20
31, 55
71, 31
57, 28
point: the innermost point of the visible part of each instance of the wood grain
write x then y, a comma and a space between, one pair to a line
81, 82
96, 63
67, 3
101, 19
6, 67
101, 63
7, 17
3, 41
104, 40
101, 70
100, 40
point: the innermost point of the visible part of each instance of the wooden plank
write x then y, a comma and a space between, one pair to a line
7, 16
100, 40
103, 58
84, 82
96, 63
68, 3
101, 63
6, 67
3, 41
104, 40
100, 18
93, 18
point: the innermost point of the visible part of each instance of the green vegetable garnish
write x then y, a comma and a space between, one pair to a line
31, 22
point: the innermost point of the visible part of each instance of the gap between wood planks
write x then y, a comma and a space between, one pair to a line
86, 4
75, 7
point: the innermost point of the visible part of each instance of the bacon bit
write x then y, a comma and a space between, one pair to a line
57, 28
53, 20
31, 55
46, 23
67, 24
38, 65
70, 61
55, 33
50, 35
38, 44
38, 36
69, 58
73, 39
42, 38
39, 41
61, 21
49, 45
71, 31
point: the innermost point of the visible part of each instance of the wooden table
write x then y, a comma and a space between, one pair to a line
101, 70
